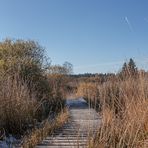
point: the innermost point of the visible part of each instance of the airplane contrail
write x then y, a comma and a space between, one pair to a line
128, 23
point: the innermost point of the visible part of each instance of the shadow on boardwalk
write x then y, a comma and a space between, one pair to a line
77, 131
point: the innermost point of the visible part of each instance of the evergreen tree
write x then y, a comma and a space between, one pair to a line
132, 67
128, 69
124, 71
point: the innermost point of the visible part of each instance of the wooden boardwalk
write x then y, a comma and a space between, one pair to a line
77, 132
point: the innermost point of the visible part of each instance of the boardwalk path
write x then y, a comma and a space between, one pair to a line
77, 132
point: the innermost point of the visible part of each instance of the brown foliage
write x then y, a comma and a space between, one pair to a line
26, 93
124, 112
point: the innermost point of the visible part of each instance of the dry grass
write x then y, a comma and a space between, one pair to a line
124, 111
27, 95
47, 128
17, 106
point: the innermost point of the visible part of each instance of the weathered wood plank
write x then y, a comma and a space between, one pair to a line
82, 125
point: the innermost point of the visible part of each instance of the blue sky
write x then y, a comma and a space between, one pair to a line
93, 35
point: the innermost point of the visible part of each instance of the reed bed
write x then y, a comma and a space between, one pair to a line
123, 107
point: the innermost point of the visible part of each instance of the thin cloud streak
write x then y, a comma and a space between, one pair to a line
143, 61
98, 65
128, 23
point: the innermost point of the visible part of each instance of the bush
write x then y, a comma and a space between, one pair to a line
25, 90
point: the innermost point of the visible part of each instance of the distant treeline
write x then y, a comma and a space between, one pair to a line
129, 69
88, 75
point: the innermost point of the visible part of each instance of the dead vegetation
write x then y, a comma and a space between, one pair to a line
28, 92
123, 106
47, 128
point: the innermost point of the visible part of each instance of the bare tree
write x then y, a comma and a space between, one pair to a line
69, 67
